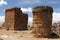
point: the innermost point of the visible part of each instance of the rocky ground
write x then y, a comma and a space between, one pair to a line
19, 35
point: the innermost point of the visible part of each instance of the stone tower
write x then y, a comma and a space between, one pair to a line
42, 20
15, 19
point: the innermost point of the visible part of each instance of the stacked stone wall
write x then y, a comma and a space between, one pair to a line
15, 19
42, 20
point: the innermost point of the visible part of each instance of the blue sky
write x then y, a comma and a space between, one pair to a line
26, 6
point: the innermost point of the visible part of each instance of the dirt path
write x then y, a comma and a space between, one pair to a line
19, 35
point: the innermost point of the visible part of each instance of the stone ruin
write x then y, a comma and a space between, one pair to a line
15, 19
56, 28
42, 20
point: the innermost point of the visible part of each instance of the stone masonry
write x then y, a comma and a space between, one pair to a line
42, 20
15, 19
56, 28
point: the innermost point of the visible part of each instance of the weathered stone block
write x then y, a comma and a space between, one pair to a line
42, 20
15, 19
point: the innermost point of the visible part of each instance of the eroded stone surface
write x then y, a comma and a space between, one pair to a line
15, 19
42, 20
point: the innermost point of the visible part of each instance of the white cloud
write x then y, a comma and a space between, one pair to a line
4, 10
2, 2
26, 9
30, 21
2, 19
56, 17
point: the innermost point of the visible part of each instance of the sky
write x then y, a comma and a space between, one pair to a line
26, 7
